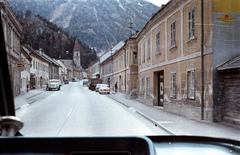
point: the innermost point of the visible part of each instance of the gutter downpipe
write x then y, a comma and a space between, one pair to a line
202, 59
125, 71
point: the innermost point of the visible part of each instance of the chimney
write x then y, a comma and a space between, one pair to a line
40, 51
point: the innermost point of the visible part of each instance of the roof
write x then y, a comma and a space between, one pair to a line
76, 46
230, 64
115, 48
29, 50
67, 62
155, 14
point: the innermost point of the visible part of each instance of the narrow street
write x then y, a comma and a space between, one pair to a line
78, 111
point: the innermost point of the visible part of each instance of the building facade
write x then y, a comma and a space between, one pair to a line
12, 32
107, 65
25, 74
181, 58
39, 71
171, 60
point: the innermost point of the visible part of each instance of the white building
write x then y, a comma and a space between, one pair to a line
39, 72
62, 70
25, 74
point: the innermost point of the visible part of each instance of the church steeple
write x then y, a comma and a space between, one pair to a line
76, 54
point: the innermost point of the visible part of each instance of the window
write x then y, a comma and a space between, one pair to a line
148, 85
173, 34
124, 61
127, 58
158, 48
139, 56
191, 84
144, 52
134, 57
148, 49
191, 24
117, 65
173, 85
33, 64
143, 86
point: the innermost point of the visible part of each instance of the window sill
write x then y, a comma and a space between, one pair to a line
158, 54
173, 47
193, 39
190, 99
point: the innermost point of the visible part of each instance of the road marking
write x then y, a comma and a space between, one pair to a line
70, 112
162, 122
132, 109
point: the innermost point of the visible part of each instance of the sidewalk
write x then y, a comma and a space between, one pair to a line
27, 98
175, 124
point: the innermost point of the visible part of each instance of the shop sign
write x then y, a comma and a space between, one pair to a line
21, 65
226, 19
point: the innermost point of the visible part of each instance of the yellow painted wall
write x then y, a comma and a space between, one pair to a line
226, 6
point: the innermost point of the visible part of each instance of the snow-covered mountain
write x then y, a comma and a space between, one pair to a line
98, 23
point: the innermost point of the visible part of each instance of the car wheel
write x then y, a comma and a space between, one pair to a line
108, 92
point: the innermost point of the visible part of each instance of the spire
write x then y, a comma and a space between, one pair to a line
76, 46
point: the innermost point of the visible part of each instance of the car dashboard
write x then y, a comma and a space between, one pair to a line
134, 145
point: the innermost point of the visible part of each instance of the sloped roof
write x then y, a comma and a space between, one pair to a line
115, 48
76, 46
230, 64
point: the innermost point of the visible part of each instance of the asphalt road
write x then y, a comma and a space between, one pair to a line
78, 111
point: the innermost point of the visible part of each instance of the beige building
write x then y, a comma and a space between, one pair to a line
12, 33
171, 59
125, 67
188, 57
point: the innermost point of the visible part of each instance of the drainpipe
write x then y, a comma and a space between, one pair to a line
202, 58
125, 72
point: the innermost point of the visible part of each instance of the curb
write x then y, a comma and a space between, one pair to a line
25, 105
146, 117
34, 95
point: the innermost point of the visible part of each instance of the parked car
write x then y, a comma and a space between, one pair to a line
104, 89
54, 84
66, 81
85, 83
99, 85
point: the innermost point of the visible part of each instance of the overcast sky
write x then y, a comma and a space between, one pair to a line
158, 2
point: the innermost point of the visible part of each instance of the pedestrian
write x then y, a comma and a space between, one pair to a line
116, 87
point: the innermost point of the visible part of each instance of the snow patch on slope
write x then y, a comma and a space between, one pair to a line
140, 4
57, 13
121, 6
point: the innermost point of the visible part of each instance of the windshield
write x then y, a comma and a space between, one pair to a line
172, 66
104, 86
53, 81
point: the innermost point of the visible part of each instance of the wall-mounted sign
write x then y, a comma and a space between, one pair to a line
226, 19
21, 65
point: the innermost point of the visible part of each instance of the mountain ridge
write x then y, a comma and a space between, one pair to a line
97, 23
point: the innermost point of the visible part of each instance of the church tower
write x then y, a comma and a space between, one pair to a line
76, 54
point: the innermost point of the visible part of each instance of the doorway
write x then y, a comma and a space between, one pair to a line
120, 82
160, 88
